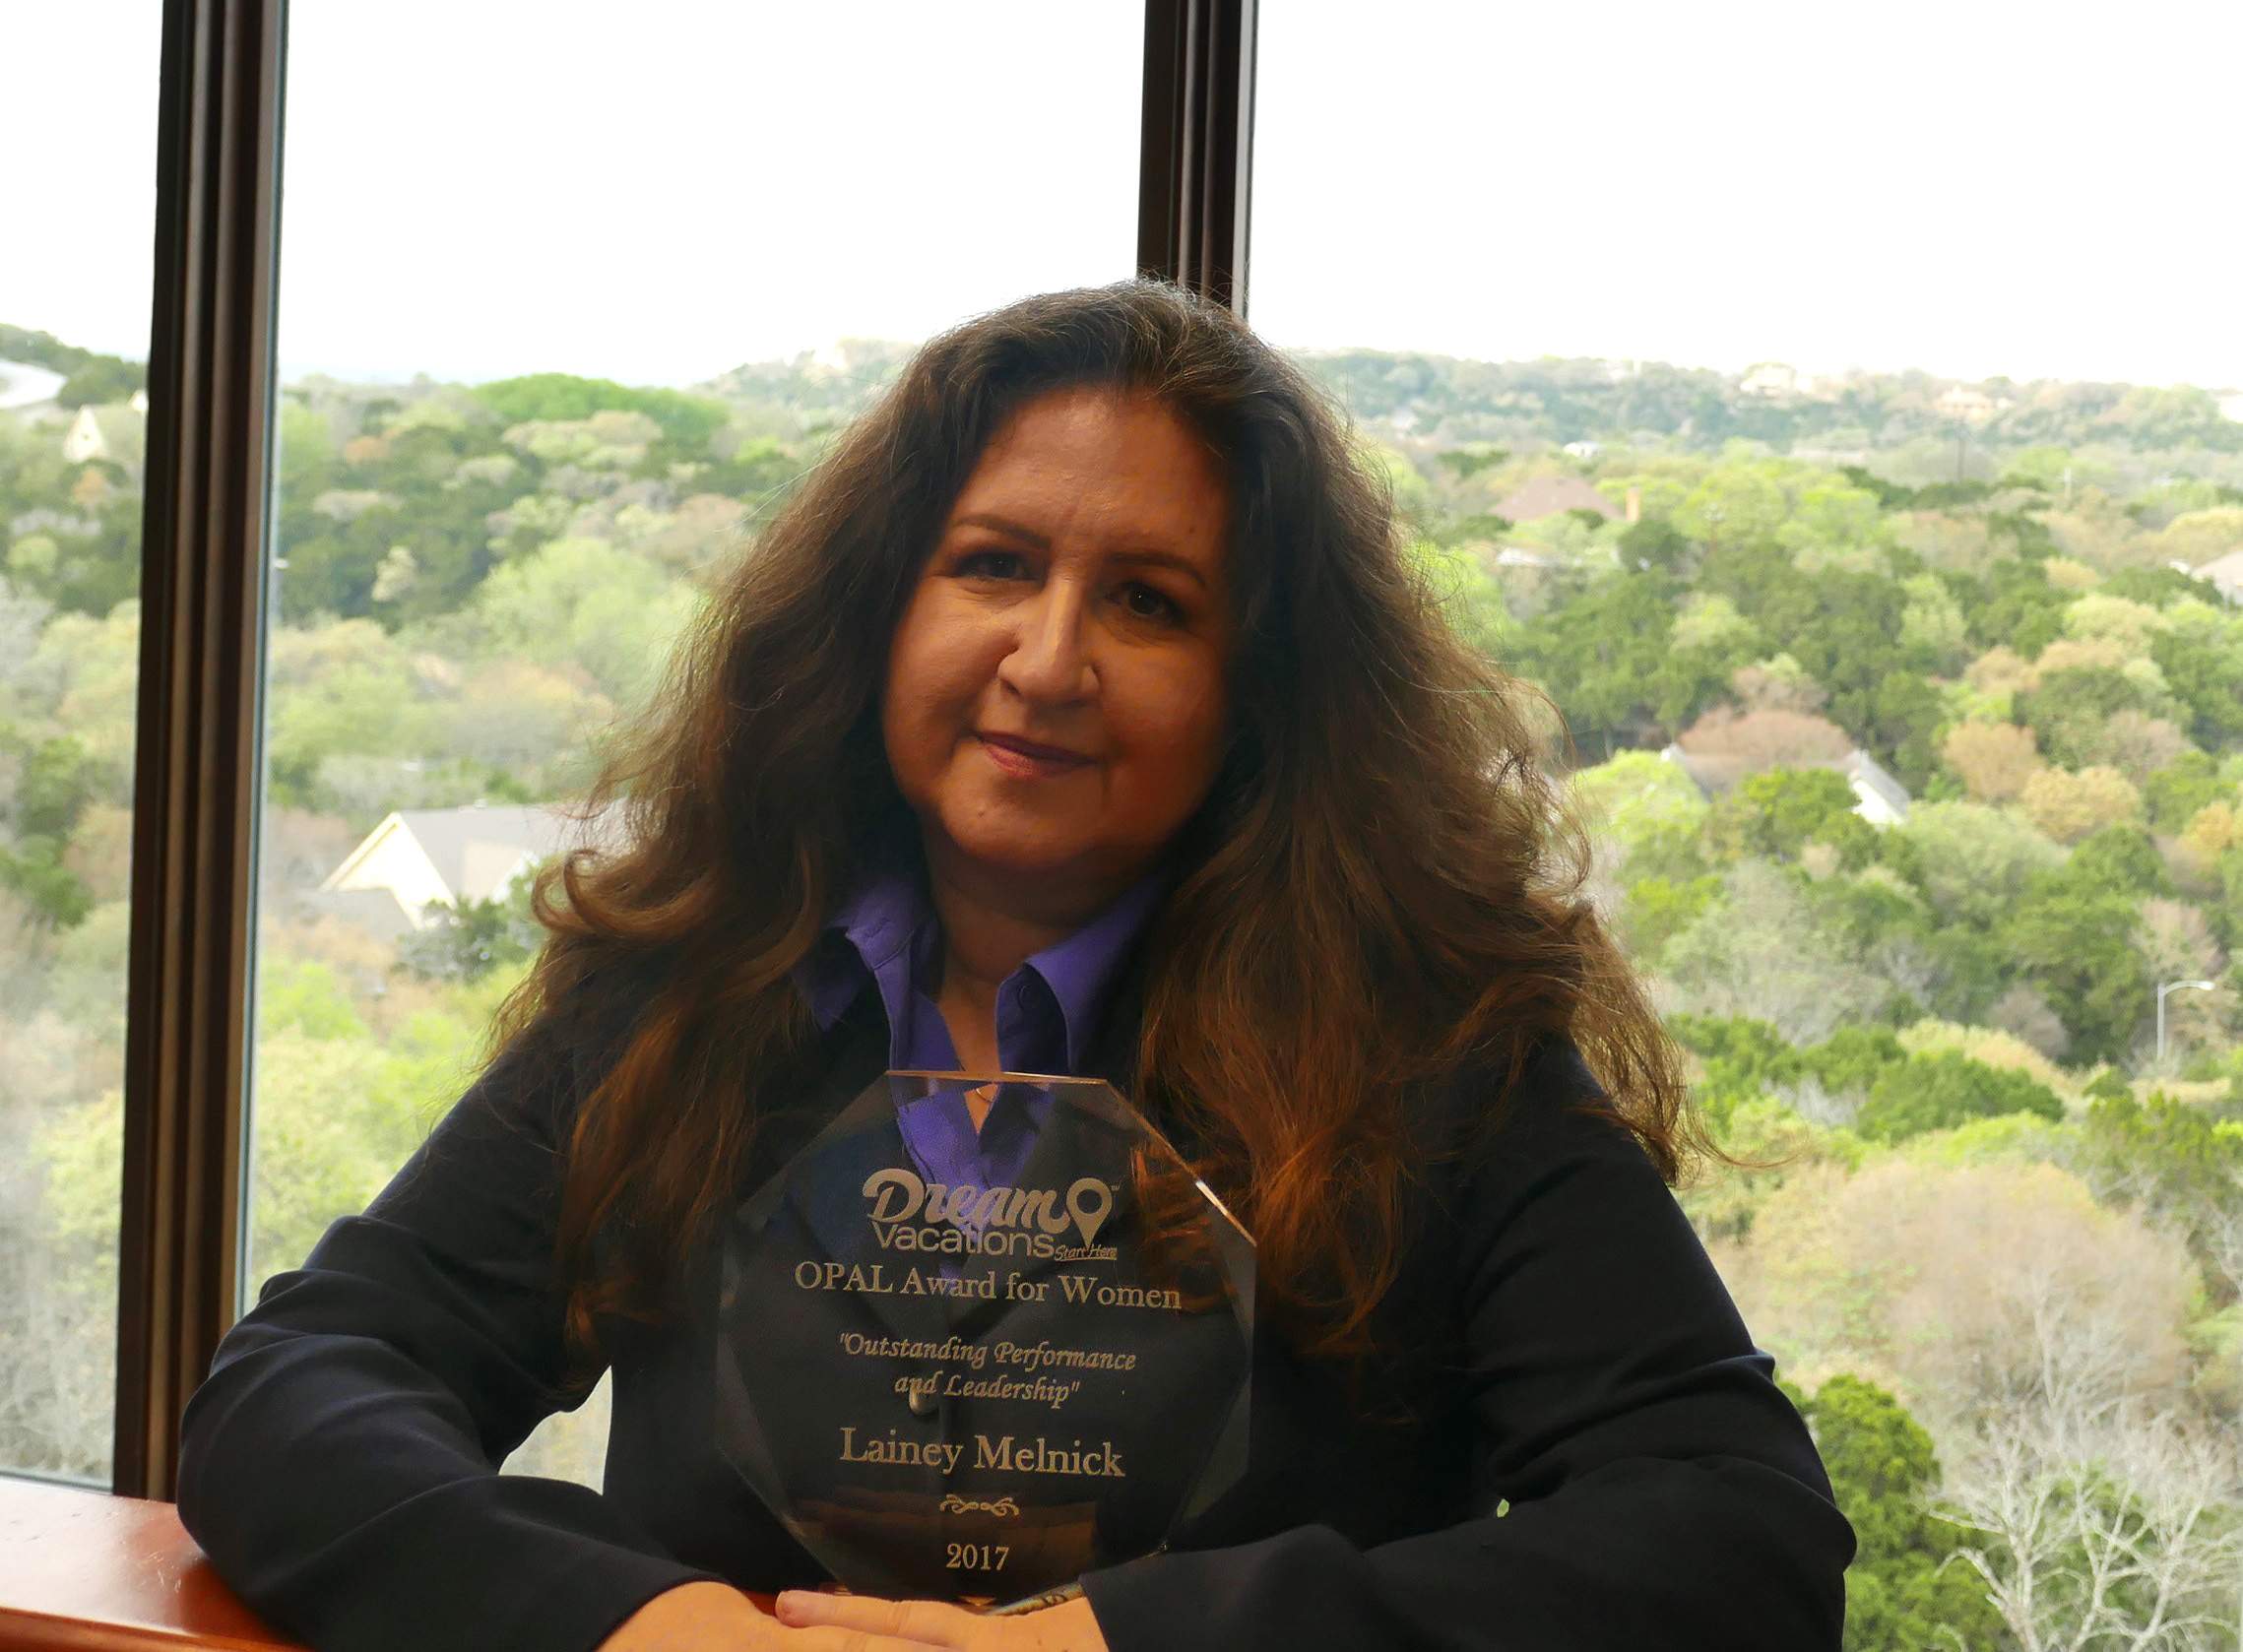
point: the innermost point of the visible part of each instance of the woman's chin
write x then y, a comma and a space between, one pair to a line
1030, 855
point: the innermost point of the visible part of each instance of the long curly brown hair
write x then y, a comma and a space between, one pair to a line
1383, 886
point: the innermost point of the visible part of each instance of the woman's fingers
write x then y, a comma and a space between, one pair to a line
893, 1623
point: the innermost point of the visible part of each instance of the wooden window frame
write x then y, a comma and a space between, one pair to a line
1195, 152
205, 573
196, 760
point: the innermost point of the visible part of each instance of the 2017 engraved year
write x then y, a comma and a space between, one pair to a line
978, 1556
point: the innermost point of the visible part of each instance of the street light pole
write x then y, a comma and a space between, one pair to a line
2169, 987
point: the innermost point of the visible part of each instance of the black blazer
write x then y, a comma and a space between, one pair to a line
1562, 1344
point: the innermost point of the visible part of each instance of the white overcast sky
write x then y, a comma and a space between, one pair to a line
661, 191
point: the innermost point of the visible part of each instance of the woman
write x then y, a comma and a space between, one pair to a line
1079, 714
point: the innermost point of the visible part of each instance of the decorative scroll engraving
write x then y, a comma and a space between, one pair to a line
1004, 1508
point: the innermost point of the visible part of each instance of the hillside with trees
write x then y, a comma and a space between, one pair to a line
1906, 717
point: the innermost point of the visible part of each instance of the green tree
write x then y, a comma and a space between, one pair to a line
2118, 860
1852, 1060
2068, 709
100, 381
467, 941
1900, 1590
1776, 812
1655, 543
1736, 505
1742, 1058
1936, 1091
58, 898
1469, 594
688, 421
585, 604
339, 690
1905, 714
1603, 657
1658, 909
2182, 786
306, 997
58, 779
2176, 1163
1969, 859
2074, 950
2016, 608
2205, 673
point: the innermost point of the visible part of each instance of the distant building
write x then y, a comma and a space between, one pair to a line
1778, 381
1548, 495
114, 432
1584, 450
84, 441
1769, 378
1972, 407
417, 857
1879, 798
2231, 405
2226, 573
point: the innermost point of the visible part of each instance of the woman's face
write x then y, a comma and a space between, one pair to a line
1054, 706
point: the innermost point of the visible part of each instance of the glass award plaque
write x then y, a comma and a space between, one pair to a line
979, 1390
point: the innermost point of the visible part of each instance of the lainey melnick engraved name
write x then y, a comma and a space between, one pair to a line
1039, 1456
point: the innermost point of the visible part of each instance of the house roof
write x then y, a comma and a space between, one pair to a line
1548, 495
2223, 570
1865, 771
1714, 775
376, 910
476, 849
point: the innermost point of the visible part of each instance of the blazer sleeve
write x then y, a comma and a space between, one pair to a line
339, 1465
1664, 1492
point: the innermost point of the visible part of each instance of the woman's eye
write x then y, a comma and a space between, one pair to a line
981, 559
1145, 603
1139, 600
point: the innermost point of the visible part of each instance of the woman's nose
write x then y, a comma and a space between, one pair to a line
1049, 658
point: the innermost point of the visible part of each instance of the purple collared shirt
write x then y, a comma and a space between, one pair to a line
1047, 1013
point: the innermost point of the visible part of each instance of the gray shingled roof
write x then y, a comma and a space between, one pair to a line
376, 910
1865, 770
475, 849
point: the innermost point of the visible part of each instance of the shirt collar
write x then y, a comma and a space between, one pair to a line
887, 912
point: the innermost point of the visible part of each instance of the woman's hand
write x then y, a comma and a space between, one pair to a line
918, 1624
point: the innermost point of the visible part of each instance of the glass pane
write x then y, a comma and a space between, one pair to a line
1859, 464
543, 357
74, 326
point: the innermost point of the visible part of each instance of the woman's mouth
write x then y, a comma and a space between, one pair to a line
1029, 760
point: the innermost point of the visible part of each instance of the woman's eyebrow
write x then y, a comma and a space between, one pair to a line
1028, 536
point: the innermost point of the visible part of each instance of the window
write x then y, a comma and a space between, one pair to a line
77, 176
1842, 415
562, 314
